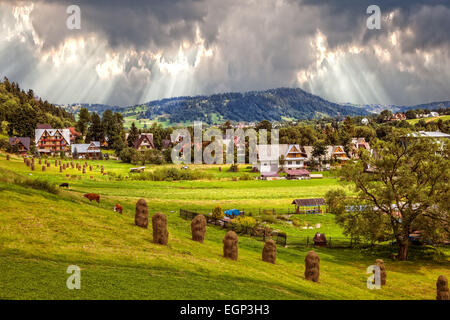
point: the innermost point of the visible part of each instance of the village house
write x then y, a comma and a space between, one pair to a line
22, 144
273, 158
399, 116
332, 153
52, 141
87, 150
144, 142
357, 145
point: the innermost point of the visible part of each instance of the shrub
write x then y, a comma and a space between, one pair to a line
334, 200
130, 155
153, 156
218, 213
3, 144
234, 168
246, 221
171, 174
245, 176
37, 184
269, 219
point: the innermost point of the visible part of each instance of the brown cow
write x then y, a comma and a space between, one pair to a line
118, 208
92, 196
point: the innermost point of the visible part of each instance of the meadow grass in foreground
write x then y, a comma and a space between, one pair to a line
41, 234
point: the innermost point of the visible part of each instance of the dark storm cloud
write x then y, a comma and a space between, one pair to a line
429, 20
141, 24
255, 44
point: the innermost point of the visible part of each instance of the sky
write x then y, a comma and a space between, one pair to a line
130, 52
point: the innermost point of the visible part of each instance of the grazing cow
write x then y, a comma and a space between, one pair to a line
64, 185
118, 208
92, 196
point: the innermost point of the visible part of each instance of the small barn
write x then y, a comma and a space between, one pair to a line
310, 206
297, 174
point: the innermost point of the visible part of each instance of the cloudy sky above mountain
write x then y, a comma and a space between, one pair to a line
128, 52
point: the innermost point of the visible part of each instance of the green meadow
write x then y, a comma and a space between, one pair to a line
42, 233
443, 118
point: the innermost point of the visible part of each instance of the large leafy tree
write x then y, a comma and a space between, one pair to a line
406, 189
319, 150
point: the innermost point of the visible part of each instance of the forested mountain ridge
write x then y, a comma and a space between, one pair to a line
21, 111
274, 105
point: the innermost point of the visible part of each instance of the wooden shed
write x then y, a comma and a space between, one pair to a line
309, 205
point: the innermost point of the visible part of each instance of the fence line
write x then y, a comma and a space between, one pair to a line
332, 242
255, 232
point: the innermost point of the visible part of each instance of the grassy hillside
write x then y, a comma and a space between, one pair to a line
443, 118
41, 234
21, 111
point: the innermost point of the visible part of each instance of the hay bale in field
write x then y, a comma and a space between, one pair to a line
442, 288
383, 275
141, 216
160, 233
90, 168
60, 169
40, 161
269, 253
312, 266
48, 164
7, 157
32, 167
32, 160
230, 245
56, 163
84, 170
43, 168
198, 228
59, 163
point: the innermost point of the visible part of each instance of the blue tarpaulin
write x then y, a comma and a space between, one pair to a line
232, 212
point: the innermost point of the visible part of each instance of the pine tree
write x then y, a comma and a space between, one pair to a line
133, 135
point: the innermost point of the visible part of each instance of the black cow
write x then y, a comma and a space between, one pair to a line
64, 185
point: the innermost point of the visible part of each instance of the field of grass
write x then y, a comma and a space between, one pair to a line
41, 234
443, 118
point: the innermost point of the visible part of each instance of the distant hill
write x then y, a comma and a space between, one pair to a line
274, 105
93, 107
429, 106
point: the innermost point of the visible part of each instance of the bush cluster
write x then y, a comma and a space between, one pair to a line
170, 174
